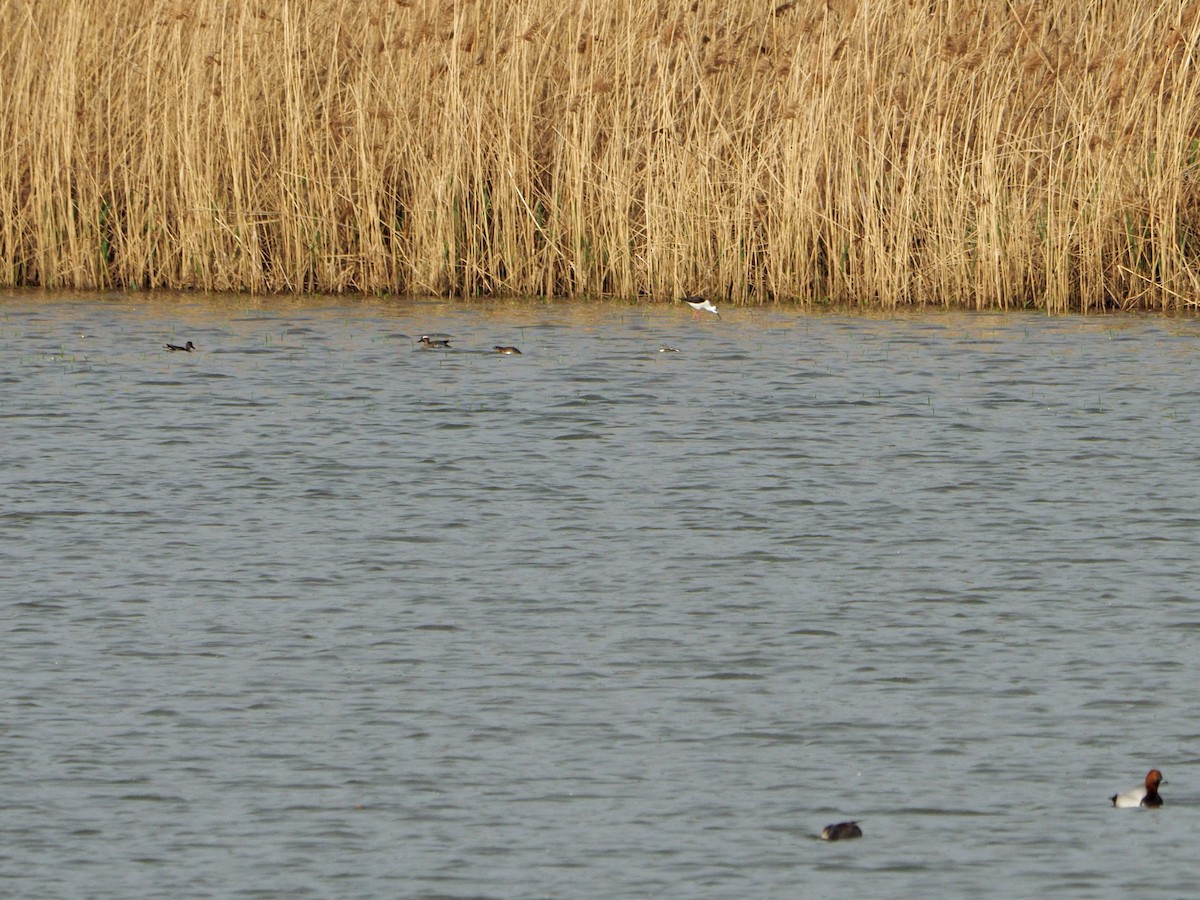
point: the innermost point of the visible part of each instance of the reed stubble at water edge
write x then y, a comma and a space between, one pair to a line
983, 154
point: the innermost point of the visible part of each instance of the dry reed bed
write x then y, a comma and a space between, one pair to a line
981, 153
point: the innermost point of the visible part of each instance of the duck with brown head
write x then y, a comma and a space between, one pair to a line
1147, 795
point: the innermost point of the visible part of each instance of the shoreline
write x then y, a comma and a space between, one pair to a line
976, 155
598, 306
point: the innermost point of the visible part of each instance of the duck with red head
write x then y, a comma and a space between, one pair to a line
1141, 796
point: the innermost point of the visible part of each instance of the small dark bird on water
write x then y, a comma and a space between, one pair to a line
427, 341
186, 348
699, 303
841, 831
508, 351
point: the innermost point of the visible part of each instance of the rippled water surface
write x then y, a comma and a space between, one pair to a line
311, 612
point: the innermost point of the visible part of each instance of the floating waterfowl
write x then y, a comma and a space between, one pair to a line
507, 351
427, 341
1146, 795
841, 831
186, 348
665, 349
699, 304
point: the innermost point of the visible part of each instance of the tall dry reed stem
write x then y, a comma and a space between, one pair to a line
980, 153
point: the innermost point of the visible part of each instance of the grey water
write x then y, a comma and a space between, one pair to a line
314, 612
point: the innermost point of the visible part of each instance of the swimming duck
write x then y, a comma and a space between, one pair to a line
427, 341
508, 351
665, 349
186, 348
699, 303
841, 831
1141, 796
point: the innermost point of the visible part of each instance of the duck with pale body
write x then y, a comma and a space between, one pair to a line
1147, 795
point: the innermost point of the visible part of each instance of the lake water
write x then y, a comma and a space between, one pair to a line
311, 612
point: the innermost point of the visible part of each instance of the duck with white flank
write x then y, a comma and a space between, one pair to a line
665, 349
1147, 795
841, 831
507, 351
700, 304
186, 348
430, 342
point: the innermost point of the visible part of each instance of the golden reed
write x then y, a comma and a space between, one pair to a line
975, 153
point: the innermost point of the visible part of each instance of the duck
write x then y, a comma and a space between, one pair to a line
665, 349
841, 831
186, 348
507, 351
1141, 796
700, 304
427, 341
